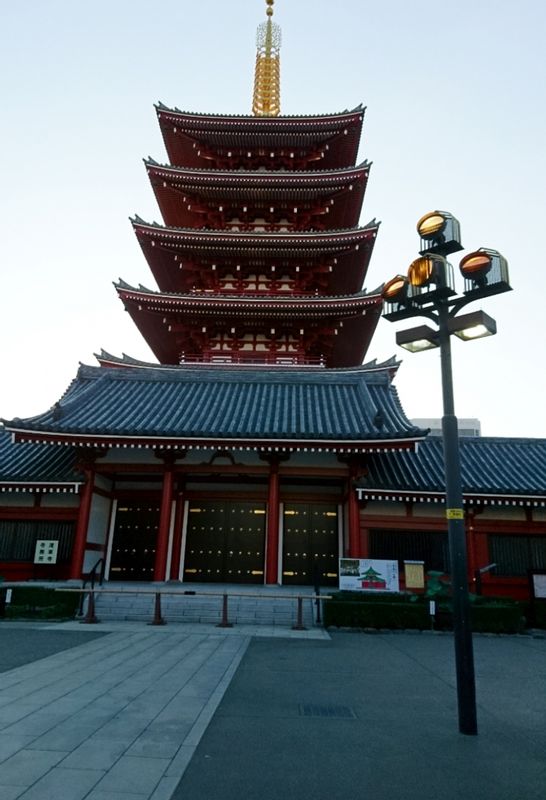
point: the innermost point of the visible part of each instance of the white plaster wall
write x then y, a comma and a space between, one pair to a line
136, 486
502, 513
373, 509
60, 501
11, 499
435, 510
99, 519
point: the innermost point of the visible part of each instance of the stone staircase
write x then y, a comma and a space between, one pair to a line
276, 606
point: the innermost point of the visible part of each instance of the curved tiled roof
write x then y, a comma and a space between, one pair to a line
217, 117
489, 466
32, 463
328, 408
105, 358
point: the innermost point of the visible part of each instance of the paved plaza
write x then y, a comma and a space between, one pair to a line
125, 711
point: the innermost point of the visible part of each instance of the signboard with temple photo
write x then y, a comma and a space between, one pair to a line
368, 575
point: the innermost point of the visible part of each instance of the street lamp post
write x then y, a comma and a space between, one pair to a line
428, 291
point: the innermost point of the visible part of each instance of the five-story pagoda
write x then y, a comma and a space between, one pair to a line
233, 459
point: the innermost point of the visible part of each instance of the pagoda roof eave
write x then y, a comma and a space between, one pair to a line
260, 122
238, 238
236, 303
266, 177
106, 359
338, 135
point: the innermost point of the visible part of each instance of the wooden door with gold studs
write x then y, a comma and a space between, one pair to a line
225, 542
310, 544
134, 544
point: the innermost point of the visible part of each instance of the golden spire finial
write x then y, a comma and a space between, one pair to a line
267, 77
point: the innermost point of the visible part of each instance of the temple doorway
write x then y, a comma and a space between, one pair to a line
310, 544
133, 545
225, 542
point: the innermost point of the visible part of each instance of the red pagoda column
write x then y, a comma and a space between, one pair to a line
80, 539
272, 536
162, 545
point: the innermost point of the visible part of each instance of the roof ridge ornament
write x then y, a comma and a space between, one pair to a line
267, 76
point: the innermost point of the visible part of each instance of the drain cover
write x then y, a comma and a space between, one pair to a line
330, 711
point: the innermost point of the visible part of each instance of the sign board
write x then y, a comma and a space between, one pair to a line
368, 575
414, 573
46, 551
539, 585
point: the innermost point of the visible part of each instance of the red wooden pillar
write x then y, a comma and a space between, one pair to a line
272, 535
365, 543
162, 544
80, 539
354, 521
470, 547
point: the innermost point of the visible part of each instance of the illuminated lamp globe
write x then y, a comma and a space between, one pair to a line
421, 271
475, 266
395, 289
430, 224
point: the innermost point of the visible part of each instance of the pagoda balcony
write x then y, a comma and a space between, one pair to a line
255, 359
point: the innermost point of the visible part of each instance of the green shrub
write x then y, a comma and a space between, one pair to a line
403, 611
537, 613
375, 614
36, 602
497, 618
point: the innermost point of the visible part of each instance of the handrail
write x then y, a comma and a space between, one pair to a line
198, 594
91, 576
224, 623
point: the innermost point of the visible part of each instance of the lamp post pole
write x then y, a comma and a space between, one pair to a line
428, 291
464, 654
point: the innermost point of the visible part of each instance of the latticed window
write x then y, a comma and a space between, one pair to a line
515, 555
430, 547
18, 538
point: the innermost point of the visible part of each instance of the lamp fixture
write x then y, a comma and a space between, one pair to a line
440, 233
472, 326
395, 290
418, 339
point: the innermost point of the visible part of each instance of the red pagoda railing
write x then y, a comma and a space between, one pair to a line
270, 359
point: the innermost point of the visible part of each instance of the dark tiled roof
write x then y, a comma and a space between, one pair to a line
35, 463
352, 405
492, 466
264, 121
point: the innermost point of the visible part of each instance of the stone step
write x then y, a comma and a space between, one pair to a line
110, 606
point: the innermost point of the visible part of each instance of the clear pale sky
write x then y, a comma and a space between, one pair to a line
455, 97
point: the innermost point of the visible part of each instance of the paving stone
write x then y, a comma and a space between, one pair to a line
165, 789
134, 774
11, 744
95, 753
27, 766
11, 792
180, 762
65, 738
63, 784
97, 794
